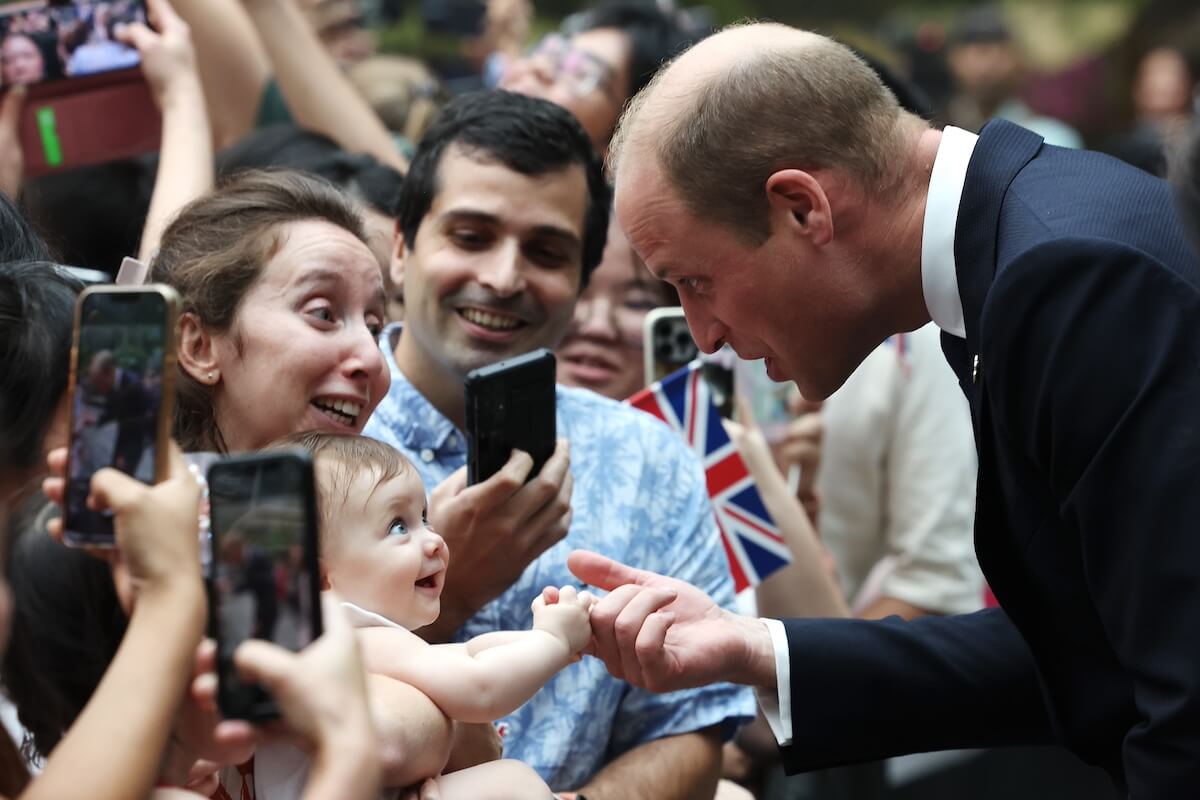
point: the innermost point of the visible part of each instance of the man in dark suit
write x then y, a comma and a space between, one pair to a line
804, 217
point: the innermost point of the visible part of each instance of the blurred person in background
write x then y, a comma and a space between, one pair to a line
27, 58
614, 51
1164, 89
989, 71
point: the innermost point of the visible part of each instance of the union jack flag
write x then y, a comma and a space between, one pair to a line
750, 537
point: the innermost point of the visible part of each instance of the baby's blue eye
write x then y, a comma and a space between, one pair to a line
397, 528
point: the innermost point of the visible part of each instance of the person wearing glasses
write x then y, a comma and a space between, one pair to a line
592, 68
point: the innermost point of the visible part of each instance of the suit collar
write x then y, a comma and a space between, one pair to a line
1002, 151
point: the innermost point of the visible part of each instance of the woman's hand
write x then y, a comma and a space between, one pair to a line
168, 58
155, 526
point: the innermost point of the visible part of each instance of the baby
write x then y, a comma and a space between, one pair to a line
388, 566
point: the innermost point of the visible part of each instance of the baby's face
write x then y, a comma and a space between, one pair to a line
381, 554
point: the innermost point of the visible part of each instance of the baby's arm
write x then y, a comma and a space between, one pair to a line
481, 685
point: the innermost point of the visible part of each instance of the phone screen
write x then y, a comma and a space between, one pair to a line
48, 40
264, 582
118, 399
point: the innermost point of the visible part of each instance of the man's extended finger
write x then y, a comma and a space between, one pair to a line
628, 628
204, 691
604, 573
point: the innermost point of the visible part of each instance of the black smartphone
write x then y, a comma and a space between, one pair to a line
510, 406
264, 580
121, 396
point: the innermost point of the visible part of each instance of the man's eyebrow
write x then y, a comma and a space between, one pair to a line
565, 235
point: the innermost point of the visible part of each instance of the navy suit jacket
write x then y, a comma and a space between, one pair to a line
1082, 367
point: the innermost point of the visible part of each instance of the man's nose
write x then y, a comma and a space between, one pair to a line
502, 273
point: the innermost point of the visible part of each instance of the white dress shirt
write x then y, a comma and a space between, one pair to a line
939, 283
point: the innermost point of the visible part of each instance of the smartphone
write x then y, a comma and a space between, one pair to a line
668, 347
667, 343
264, 582
510, 406
121, 396
88, 101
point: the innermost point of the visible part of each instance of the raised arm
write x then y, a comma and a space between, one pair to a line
116, 743
234, 68
318, 95
482, 685
185, 164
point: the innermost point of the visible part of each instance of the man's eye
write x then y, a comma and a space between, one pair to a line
468, 238
397, 528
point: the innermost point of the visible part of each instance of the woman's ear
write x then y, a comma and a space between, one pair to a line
197, 351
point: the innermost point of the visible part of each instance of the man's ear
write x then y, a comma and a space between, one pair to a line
798, 197
197, 350
399, 256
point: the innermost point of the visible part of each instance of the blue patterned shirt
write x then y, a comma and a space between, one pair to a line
640, 498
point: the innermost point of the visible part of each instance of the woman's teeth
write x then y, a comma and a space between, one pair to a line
343, 411
488, 320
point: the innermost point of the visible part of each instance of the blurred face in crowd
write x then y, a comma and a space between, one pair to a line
989, 72
797, 300
342, 29
587, 74
496, 266
1163, 87
603, 347
382, 555
301, 353
21, 60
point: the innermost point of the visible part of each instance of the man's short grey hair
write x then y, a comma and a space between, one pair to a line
812, 105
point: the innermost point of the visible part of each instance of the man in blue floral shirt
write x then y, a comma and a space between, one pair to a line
503, 215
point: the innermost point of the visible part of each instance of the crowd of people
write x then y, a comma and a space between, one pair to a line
986, 479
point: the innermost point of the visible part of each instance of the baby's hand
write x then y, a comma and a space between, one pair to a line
564, 613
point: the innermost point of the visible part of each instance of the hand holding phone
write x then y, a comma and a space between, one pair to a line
264, 579
121, 392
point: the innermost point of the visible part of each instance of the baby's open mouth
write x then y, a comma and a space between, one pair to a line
428, 583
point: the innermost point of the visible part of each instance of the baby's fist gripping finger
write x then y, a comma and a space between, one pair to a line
566, 619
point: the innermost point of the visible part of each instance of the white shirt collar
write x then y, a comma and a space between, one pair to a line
939, 273
363, 618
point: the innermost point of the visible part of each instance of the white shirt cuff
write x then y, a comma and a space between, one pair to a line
777, 706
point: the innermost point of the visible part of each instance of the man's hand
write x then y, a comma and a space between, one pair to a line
497, 528
12, 157
663, 634
563, 613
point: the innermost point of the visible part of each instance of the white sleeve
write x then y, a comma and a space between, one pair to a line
777, 706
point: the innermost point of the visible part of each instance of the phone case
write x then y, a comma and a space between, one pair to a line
166, 408
667, 343
510, 406
238, 700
